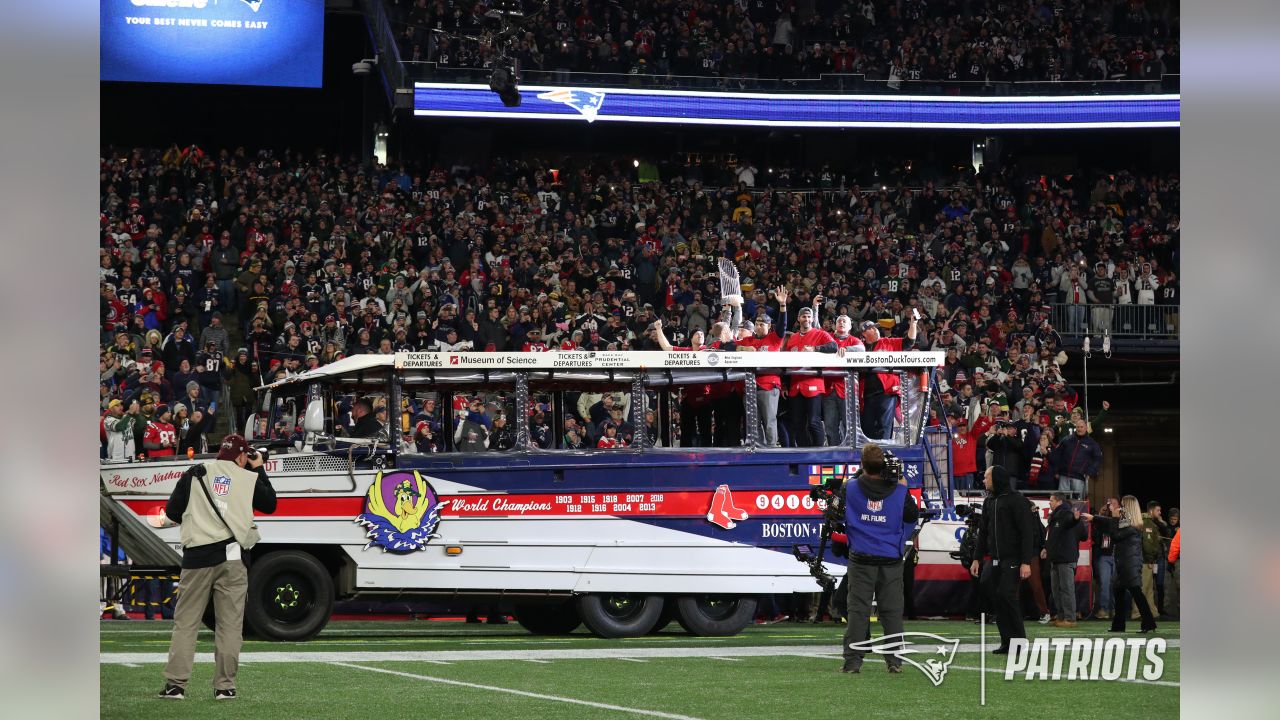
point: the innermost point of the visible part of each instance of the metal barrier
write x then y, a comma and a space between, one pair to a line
843, 83
1133, 321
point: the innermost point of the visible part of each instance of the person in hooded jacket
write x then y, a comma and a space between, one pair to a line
1126, 531
1008, 536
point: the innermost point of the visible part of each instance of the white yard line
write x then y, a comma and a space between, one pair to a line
726, 659
522, 693
619, 653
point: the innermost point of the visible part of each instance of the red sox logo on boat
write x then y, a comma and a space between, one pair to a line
723, 512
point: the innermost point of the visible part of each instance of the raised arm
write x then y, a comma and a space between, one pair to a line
661, 336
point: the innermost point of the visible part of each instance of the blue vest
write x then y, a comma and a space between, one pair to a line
875, 527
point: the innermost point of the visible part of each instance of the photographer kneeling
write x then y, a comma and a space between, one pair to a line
214, 534
879, 517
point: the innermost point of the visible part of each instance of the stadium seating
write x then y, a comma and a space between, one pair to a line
854, 45
329, 258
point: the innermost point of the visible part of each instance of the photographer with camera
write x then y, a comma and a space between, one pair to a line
215, 533
880, 516
1007, 449
1007, 535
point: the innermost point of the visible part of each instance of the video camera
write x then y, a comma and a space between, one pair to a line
830, 497
968, 551
806, 555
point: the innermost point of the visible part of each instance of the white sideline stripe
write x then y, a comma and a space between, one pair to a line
632, 660
619, 653
726, 659
531, 660
510, 691
1000, 671
438, 656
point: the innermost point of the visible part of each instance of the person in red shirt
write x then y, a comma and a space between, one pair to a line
804, 396
160, 437
881, 391
534, 342
964, 448
833, 402
768, 384
610, 438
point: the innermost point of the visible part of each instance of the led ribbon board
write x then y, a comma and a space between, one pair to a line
228, 42
542, 102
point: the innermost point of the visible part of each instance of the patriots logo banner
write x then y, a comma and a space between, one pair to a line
931, 654
587, 102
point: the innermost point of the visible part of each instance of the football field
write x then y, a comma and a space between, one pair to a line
448, 669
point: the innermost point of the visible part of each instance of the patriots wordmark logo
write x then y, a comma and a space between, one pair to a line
875, 505
932, 654
587, 102
221, 485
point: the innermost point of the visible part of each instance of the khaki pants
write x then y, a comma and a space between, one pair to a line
1148, 590
228, 584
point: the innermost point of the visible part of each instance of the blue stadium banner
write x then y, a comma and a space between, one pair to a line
544, 102
228, 42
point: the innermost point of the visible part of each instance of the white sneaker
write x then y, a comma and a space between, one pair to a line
1045, 618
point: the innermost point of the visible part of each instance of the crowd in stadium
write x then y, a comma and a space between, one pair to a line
222, 269
903, 40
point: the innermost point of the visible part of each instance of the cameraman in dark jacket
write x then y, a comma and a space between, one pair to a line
1008, 451
1063, 550
1007, 535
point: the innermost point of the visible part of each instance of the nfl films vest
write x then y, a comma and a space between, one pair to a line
875, 527
231, 486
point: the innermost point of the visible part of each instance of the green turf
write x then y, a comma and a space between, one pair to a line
153, 636
746, 687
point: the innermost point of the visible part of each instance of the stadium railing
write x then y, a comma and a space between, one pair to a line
1126, 321
851, 84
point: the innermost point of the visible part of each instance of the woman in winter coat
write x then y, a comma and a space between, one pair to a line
1126, 532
